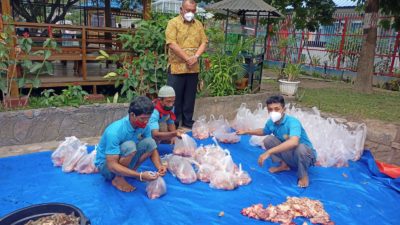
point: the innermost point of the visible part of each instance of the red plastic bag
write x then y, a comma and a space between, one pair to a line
388, 169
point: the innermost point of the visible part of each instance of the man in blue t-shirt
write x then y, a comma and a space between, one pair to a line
289, 144
125, 144
162, 120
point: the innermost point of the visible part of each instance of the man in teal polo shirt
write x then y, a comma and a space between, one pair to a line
289, 145
125, 144
162, 120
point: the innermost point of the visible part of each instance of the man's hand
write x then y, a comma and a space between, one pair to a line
192, 61
179, 133
149, 176
240, 132
162, 170
263, 157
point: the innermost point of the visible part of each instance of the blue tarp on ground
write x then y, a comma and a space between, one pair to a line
357, 194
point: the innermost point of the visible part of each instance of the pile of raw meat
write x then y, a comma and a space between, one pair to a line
213, 165
285, 213
219, 128
56, 219
72, 155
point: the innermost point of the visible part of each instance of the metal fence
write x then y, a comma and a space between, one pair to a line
337, 46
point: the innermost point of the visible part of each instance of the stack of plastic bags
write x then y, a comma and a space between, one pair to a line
212, 164
72, 155
219, 128
334, 142
247, 120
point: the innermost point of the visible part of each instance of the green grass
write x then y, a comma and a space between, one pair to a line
380, 105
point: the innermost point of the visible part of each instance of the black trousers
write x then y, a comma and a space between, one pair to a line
185, 86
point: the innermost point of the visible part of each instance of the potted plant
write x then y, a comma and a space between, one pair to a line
14, 55
143, 70
290, 85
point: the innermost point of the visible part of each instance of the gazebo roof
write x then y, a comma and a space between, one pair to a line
250, 7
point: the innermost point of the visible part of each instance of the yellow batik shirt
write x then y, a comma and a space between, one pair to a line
187, 35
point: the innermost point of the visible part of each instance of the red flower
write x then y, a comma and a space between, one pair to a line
126, 75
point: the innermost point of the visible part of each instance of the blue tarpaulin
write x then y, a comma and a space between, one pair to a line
357, 194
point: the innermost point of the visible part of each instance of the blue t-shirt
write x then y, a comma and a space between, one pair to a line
117, 133
155, 120
288, 127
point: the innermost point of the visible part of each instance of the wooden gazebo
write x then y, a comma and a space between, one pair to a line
84, 49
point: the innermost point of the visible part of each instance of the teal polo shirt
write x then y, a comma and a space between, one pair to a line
155, 120
288, 127
117, 133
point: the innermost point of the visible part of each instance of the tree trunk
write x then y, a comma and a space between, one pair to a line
365, 67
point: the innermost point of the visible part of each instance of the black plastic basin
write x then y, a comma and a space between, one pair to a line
34, 212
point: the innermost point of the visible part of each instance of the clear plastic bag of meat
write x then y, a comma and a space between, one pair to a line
86, 164
226, 163
223, 180
209, 154
260, 116
181, 168
200, 128
218, 124
71, 160
242, 177
226, 137
243, 116
66, 148
204, 172
156, 188
185, 146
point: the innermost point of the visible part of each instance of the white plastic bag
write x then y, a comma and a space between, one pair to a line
182, 169
200, 128
223, 180
242, 177
260, 116
185, 146
243, 116
156, 188
66, 148
86, 163
71, 160
257, 141
204, 172
226, 137
218, 124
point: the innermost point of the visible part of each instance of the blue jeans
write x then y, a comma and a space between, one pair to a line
144, 146
300, 158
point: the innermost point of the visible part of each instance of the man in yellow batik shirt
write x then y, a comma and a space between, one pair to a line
186, 41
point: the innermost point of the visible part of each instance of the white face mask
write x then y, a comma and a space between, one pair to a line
275, 116
188, 16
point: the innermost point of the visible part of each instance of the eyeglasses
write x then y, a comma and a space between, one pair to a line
143, 118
